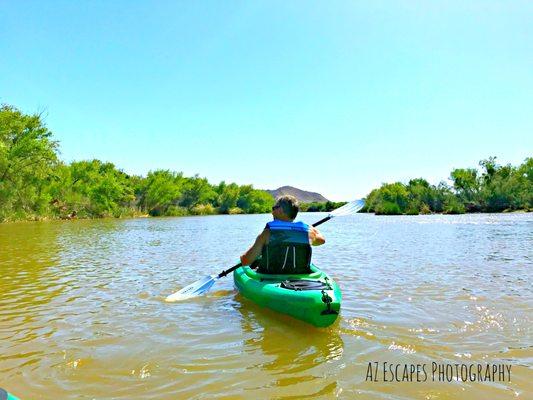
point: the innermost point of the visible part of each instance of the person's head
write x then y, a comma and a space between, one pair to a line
286, 208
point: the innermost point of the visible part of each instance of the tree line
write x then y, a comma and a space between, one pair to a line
36, 184
492, 188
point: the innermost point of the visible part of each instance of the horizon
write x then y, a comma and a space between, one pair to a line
354, 95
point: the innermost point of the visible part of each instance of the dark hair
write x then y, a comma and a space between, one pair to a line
289, 205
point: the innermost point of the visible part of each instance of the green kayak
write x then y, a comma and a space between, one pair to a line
314, 298
6, 396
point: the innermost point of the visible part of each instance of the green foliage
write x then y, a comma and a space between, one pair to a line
196, 191
227, 196
253, 201
321, 207
452, 205
493, 189
388, 208
390, 199
467, 186
175, 211
235, 199
95, 189
424, 209
203, 209
506, 187
413, 209
35, 184
524, 175
159, 193
164, 192
27, 158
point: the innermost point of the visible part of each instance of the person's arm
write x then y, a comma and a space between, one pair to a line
255, 251
315, 237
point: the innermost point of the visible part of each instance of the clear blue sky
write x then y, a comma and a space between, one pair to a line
335, 97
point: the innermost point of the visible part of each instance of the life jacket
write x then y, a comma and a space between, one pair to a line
288, 250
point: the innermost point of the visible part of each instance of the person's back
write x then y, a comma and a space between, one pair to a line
284, 245
287, 250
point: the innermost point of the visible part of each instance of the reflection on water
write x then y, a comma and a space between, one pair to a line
293, 357
82, 312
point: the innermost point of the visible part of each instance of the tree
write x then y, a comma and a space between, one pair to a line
391, 199
160, 191
27, 157
524, 175
196, 191
254, 201
104, 190
503, 187
490, 167
228, 198
420, 195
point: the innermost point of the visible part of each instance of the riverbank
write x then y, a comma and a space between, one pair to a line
508, 211
140, 216
196, 211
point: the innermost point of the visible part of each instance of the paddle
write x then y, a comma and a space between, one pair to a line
203, 285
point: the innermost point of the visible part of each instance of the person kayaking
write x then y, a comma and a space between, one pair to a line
284, 246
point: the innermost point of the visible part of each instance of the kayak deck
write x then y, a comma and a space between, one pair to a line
319, 307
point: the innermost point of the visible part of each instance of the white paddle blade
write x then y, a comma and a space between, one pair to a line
195, 289
349, 208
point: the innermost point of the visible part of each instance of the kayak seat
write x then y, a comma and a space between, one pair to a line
305, 284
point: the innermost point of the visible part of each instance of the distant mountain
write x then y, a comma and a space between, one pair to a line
302, 195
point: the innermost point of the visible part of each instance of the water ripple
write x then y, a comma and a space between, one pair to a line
82, 312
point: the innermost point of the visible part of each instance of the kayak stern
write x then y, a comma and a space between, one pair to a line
319, 307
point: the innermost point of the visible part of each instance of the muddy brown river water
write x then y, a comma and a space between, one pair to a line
82, 311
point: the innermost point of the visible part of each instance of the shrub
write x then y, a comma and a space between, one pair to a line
203, 209
176, 211
388, 208
452, 205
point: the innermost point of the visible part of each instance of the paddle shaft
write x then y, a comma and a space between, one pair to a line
322, 221
229, 271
